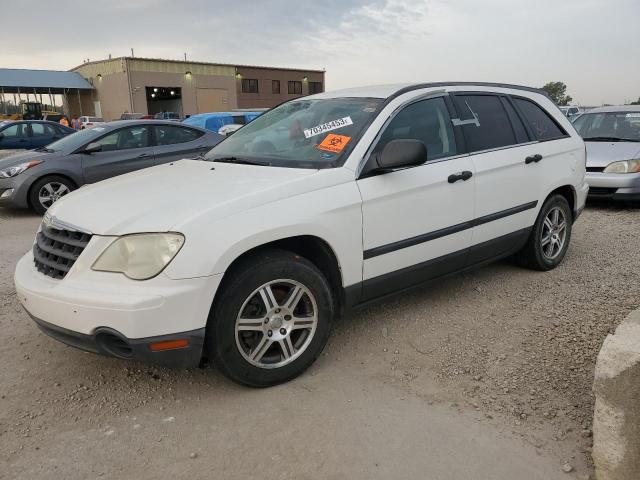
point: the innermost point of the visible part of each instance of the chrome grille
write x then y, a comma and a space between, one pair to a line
56, 250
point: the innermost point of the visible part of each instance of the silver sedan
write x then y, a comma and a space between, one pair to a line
612, 137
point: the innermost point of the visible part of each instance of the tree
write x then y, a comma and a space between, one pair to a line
637, 102
558, 93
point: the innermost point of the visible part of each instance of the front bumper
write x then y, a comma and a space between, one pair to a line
85, 306
106, 341
14, 191
614, 186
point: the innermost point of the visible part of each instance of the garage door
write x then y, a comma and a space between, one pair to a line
212, 100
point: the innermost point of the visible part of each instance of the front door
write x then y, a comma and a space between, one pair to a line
123, 151
416, 220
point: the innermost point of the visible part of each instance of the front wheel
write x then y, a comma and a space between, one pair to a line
46, 191
272, 319
549, 239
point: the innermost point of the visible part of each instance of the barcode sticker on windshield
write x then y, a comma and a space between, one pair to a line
327, 127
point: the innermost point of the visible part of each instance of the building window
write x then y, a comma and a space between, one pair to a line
315, 87
295, 88
275, 86
249, 85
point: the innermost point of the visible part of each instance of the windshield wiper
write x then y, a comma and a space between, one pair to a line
44, 149
609, 139
240, 161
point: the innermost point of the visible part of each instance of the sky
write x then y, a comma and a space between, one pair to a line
591, 45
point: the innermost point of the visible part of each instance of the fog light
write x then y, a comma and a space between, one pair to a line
169, 345
7, 193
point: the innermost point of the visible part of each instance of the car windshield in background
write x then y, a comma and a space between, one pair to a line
308, 133
75, 140
609, 126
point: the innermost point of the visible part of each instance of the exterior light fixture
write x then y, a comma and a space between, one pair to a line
188, 73
305, 79
238, 75
99, 76
155, 89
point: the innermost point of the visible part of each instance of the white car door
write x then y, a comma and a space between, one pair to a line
507, 191
415, 220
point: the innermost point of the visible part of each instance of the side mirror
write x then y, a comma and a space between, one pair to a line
402, 153
92, 148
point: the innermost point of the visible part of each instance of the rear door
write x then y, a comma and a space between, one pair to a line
125, 150
507, 195
15, 136
174, 142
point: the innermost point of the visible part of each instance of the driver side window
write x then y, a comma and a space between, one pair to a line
427, 121
126, 138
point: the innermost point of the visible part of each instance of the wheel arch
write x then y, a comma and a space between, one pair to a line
45, 175
311, 247
569, 193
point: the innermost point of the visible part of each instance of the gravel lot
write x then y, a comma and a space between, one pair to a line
483, 375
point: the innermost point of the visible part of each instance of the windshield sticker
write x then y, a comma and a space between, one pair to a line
633, 115
334, 143
327, 127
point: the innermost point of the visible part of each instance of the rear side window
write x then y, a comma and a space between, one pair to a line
170, 135
540, 122
485, 124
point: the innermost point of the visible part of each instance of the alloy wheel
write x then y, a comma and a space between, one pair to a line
554, 233
276, 323
51, 192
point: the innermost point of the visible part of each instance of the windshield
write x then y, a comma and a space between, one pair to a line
610, 126
308, 133
75, 140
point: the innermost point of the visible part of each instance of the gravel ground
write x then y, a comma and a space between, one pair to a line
483, 375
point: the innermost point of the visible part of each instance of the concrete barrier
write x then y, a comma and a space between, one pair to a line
616, 421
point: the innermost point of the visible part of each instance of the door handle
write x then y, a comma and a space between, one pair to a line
143, 155
533, 158
466, 175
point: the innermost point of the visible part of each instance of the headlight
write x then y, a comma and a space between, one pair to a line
625, 166
140, 256
18, 169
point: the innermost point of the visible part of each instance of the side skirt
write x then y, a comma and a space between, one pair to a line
383, 286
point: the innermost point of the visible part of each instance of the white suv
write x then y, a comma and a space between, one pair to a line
322, 204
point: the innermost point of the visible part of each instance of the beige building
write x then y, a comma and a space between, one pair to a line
149, 86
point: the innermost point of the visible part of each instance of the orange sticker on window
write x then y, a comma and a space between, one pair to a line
334, 143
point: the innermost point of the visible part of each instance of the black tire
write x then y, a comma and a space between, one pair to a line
251, 274
532, 254
34, 200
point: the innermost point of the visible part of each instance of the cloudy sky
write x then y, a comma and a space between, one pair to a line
591, 45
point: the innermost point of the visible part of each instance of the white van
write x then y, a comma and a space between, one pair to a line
322, 204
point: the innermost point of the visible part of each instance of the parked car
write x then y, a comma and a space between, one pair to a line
29, 134
38, 178
324, 203
612, 136
90, 122
571, 111
224, 123
132, 116
168, 116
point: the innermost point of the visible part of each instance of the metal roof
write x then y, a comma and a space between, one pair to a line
12, 79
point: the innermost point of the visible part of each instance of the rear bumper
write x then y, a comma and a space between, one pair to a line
109, 342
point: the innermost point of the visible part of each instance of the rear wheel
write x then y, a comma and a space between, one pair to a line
47, 190
272, 319
549, 240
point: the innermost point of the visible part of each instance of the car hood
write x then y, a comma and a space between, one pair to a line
601, 154
21, 157
166, 197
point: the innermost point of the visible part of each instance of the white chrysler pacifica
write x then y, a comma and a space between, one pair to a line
322, 204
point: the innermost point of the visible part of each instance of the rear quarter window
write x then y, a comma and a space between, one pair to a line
543, 126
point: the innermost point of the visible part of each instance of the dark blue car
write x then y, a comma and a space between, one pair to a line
31, 134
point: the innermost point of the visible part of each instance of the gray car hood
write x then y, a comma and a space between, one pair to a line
601, 154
